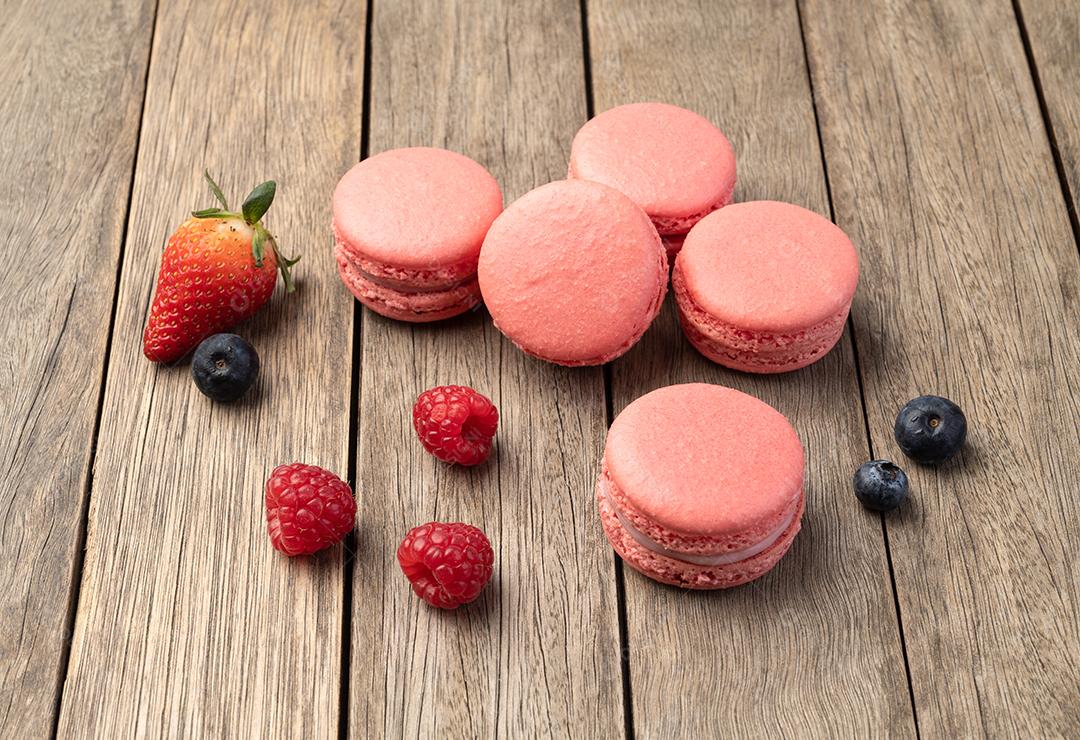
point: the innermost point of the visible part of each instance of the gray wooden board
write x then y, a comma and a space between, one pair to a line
71, 90
189, 623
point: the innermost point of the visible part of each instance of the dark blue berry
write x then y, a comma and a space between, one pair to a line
880, 485
930, 429
224, 366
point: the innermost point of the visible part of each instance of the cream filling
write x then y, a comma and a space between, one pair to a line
400, 287
708, 560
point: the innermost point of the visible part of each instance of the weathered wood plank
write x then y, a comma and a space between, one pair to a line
189, 624
1053, 32
537, 655
813, 648
71, 76
940, 167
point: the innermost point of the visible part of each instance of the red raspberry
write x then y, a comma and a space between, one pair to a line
456, 424
307, 508
447, 564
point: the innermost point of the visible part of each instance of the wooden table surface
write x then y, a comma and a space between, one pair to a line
139, 595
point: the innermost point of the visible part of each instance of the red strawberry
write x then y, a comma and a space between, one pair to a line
218, 269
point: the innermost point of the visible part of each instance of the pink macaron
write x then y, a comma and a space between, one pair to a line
573, 273
672, 162
765, 287
408, 226
702, 486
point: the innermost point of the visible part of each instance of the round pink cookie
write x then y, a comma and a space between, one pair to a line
765, 287
408, 226
670, 161
573, 273
702, 486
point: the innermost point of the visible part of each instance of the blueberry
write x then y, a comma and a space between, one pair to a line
224, 366
880, 485
930, 429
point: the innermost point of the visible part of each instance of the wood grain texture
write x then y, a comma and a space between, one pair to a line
940, 168
1053, 31
189, 623
813, 648
71, 77
537, 655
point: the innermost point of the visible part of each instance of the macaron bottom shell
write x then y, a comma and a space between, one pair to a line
429, 304
754, 351
660, 567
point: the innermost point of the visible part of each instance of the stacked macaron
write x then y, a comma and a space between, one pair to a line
702, 486
765, 287
408, 226
675, 164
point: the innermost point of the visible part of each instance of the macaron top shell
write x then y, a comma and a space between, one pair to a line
573, 272
705, 460
417, 208
669, 160
769, 266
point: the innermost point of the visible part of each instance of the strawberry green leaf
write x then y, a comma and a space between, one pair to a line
258, 245
211, 213
258, 202
216, 190
284, 263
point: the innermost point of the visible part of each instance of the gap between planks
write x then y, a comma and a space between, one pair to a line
348, 571
1048, 123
